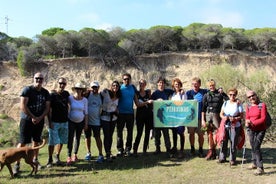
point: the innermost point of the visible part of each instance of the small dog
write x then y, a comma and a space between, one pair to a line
7, 157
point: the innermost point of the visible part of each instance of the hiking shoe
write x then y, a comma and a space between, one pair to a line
192, 152
88, 157
75, 158
16, 168
259, 171
252, 167
57, 160
127, 154
200, 153
69, 161
100, 159
119, 154
220, 161
39, 167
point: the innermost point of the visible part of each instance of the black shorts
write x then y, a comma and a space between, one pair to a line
30, 132
96, 131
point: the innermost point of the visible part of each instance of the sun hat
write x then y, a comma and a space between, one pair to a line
78, 86
95, 83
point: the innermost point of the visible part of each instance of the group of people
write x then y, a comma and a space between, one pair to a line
91, 110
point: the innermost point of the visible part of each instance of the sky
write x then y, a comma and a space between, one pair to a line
29, 18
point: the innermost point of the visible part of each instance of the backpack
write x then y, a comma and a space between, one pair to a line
268, 120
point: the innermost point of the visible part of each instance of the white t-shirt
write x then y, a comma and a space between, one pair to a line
232, 109
78, 109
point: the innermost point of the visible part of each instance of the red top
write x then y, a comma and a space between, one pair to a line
257, 116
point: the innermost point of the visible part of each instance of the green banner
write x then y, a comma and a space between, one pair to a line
169, 113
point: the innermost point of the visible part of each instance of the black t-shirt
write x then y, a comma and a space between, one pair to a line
37, 100
59, 105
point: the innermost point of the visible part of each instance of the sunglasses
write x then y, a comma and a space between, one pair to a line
38, 78
115, 85
251, 96
94, 87
62, 83
232, 94
126, 79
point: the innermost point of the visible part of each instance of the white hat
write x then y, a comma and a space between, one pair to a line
94, 83
78, 85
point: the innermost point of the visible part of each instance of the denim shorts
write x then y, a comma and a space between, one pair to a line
58, 134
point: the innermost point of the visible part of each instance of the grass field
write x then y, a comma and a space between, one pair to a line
148, 169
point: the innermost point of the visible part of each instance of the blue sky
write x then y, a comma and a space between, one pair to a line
30, 17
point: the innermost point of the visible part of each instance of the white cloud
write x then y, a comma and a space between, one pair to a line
104, 26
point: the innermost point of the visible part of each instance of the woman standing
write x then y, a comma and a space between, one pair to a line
144, 116
109, 114
78, 119
178, 95
256, 128
231, 114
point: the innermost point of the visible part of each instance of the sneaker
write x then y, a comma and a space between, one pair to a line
108, 158
16, 168
259, 171
75, 158
192, 152
252, 167
88, 157
100, 159
69, 161
57, 160
49, 163
119, 154
220, 161
200, 153
180, 155
39, 167
232, 163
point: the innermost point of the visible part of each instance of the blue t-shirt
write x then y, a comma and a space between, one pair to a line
165, 94
125, 105
198, 96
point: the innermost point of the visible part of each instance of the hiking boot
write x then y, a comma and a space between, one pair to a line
75, 158
69, 161
259, 171
252, 167
209, 155
16, 169
100, 159
88, 157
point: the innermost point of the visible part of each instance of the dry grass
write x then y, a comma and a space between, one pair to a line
148, 169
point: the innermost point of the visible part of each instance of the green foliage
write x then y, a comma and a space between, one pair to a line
20, 63
1, 87
52, 31
8, 133
3, 116
270, 101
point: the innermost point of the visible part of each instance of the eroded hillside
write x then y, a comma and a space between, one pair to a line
182, 65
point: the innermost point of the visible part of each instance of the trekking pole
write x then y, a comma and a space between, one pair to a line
243, 154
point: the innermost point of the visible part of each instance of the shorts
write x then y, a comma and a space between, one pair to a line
180, 130
30, 132
96, 131
58, 134
196, 129
213, 119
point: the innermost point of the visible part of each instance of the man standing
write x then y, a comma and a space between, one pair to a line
162, 94
196, 94
126, 115
94, 121
34, 105
58, 121
211, 105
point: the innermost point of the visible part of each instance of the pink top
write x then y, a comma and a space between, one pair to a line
257, 116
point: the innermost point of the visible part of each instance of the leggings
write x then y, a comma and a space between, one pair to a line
74, 130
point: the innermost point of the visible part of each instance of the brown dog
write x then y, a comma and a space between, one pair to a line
7, 157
